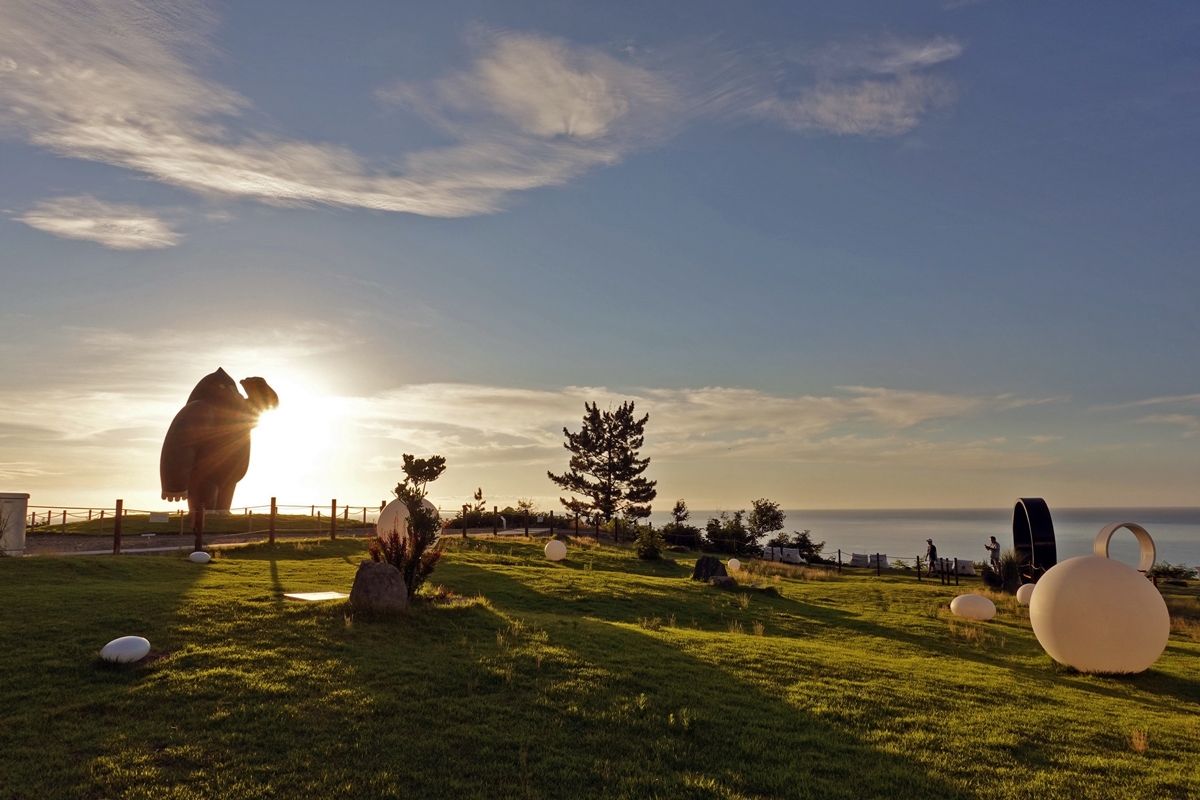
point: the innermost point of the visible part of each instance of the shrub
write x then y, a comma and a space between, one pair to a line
1008, 577
677, 532
416, 553
1179, 572
649, 543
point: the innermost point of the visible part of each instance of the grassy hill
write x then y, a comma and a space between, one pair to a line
600, 676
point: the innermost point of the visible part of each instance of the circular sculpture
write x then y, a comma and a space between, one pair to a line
1033, 537
733, 564
1024, 593
125, 650
1099, 615
973, 606
555, 550
199, 557
1148, 554
394, 518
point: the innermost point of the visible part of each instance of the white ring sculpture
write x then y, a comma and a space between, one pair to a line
1146, 562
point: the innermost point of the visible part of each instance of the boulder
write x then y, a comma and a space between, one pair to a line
723, 581
706, 567
378, 586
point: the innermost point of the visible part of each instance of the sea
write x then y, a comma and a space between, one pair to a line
962, 533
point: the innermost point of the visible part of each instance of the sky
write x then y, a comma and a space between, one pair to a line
844, 254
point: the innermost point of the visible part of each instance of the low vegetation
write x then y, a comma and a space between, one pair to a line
604, 675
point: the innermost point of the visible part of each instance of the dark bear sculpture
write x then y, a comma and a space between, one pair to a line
207, 449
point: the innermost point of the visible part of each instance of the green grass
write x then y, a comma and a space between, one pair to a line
601, 676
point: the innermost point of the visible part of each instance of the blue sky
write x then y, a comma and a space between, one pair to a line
845, 254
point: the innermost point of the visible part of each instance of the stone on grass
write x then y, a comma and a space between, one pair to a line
973, 606
723, 581
125, 650
707, 567
199, 557
378, 586
1024, 593
555, 550
733, 564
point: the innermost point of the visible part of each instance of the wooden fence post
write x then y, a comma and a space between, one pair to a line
955, 571
117, 530
525, 516
839, 561
918, 569
495, 518
464, 521
333, 519
551, 524
271, 535
878, 566
102, 522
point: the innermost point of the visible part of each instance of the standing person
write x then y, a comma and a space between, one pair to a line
993, 548
931, 555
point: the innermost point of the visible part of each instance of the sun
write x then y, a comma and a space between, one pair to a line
291, 447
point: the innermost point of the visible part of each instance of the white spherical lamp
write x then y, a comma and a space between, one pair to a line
394, 518
973, 606
199, 557
555, 550
125, 650
733, 564
1099, 615
1024, 593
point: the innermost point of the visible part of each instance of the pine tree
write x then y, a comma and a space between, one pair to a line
605, 465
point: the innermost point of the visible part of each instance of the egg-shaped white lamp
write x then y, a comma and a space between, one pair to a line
1099, 615
973, 606
394, 518
555, 550
733, 564
199, 557
125, 650
1024, 593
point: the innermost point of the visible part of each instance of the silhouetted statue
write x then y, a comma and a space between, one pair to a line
207, 449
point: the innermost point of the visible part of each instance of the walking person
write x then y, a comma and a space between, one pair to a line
931, 556
993, 548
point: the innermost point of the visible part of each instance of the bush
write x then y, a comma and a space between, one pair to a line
416, 553
810, 551
727, 533
677, 532
649, 543
1008, 577
1179, 572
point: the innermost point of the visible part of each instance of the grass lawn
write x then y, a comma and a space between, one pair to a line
599, 676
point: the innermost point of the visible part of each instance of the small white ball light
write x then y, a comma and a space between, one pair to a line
973, 606
1099, 615
199, 557
394, 518
1024, 593
125, 650
555, 550
733, 564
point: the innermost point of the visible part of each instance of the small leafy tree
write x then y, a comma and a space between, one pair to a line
478, 506
727, 533
416, 553
765, 518
605, 466
678, 531
810, 551
649, 543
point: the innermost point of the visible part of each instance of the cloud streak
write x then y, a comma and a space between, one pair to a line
116, 83
115, 226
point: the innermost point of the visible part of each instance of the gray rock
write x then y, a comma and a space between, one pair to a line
723, 581
706, 567
378, 587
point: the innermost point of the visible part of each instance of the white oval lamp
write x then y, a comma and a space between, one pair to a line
199, 557
973, 606
125, 650
1024, 593
734, 565
555, 550
1097, 614
394, 518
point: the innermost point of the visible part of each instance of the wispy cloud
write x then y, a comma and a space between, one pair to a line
1190, 422
1185, 399
113, 225
117, 83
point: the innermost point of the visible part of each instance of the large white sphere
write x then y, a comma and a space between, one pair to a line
1099, 615
734, 565
125, 650
973, 606
555, 550
1024, 593
394, 518
199, 557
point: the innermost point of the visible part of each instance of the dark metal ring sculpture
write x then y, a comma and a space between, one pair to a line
1033, 537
